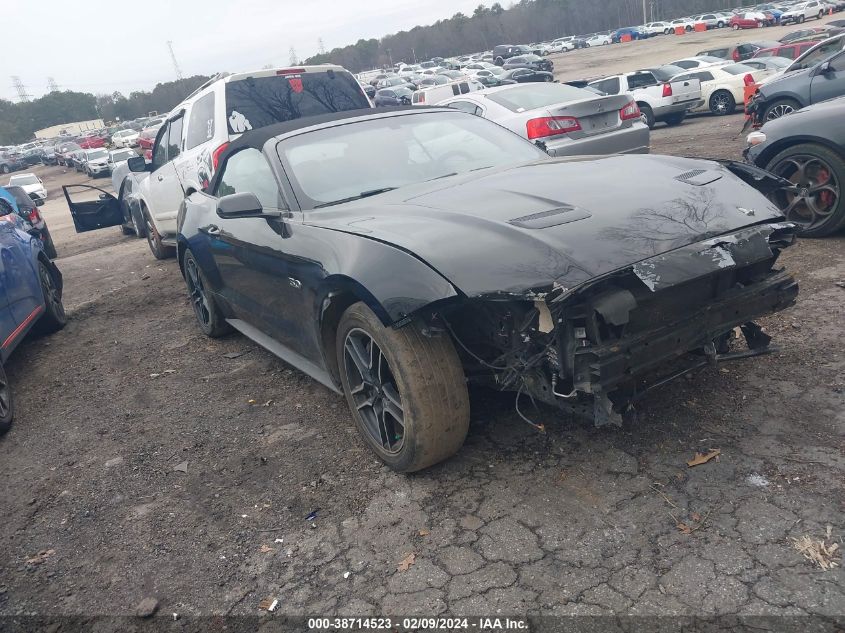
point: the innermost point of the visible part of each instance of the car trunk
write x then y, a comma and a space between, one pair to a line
595, 115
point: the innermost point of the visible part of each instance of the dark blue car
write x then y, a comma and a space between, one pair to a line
30, 294
633, 31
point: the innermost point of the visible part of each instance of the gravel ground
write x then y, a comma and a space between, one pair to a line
148, 461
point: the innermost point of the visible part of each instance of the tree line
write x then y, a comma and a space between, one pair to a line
525, 22
19, 121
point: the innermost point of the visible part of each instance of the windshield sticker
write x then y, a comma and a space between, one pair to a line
295, 84
238, 122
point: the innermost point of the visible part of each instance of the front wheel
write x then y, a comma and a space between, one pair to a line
407, 391
780, 108
5, 169
722, 102
735, 27
720, 25
817, 203
801, 19
209, 317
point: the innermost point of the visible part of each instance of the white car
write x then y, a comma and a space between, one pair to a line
599, 39
711, 20
96, 162
723, 87
699, 61
125, 138
118, 156
803, 11
476, 66
686, 23
32, 184
562, 44
657, 28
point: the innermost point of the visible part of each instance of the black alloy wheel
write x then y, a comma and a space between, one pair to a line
373, 390
210, 320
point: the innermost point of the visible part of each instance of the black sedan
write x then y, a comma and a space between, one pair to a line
524, 75
534, 62
396, 256
397, 96
808, 149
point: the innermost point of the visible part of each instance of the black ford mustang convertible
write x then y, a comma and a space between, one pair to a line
397, 256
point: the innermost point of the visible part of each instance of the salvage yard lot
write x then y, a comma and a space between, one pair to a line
574, 521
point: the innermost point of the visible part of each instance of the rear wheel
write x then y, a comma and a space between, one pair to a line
407, 392
818, 173
5, 169
801, 19
735, 27
720, 25
54, 317
7, 409
676, 119
722, 102
647, 114
208, 315
157, 248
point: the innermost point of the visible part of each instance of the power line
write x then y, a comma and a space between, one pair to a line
23, 95
52, 85
175, 63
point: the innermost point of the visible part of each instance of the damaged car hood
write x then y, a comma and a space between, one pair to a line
559, 222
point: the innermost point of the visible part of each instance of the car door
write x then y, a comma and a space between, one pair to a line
24, 297
92, 208
260, 276
828, 79
165, 188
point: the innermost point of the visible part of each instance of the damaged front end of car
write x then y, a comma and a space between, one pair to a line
596, 348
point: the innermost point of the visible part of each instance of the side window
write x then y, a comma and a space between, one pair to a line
160, 149
174, 138
464, 86
837, 64
465, 106
248, 171
608, 86
704, 76
201, 122
770, 53
641, 80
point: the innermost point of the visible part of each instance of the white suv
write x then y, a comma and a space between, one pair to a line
195, 133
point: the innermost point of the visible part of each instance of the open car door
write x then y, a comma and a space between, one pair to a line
92, 208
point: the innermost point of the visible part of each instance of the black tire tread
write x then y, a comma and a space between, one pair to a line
218, 326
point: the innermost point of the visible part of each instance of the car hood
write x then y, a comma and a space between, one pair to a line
32, 187
557, 222
780, 82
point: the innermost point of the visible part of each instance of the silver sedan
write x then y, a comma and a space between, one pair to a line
568, 121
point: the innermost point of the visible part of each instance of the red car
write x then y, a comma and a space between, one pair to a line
148, 137
91, 142
789, 51
748, 20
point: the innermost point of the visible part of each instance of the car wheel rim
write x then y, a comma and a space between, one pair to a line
816, 193
51, 294
196, 290
779, 111
5, 395
720, 103
373, 391
148, 225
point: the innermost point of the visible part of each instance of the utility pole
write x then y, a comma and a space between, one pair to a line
293, 61
175, 63
645, 13
52, 85
18, 85
320, 46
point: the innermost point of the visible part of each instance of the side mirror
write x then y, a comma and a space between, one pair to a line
243, 205
104, 196
825, 68
137, 164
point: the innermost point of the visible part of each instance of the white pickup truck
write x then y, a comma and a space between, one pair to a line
658, 97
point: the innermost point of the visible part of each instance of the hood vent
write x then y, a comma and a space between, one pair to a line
552, 217
699, 177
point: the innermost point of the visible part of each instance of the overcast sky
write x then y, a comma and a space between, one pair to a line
97, 46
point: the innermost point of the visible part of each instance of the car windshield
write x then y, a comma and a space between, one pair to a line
27, 179
539, 95
817, 54
256, 102
737, 69
123, 155
100, 153
362, 159
665, 73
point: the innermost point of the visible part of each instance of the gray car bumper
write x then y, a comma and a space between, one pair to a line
629, 140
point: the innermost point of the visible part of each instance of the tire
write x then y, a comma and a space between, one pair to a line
127, 230
499, 61
49, 247
648, 114
722, 102
720, 25
419, 377
821, 15
735, 27
779, 108
5, 169
138, 225
7, 405
54, 317
801, 19
822, 165
159, 250
676, 119
666, 31
688, 28
208, 315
